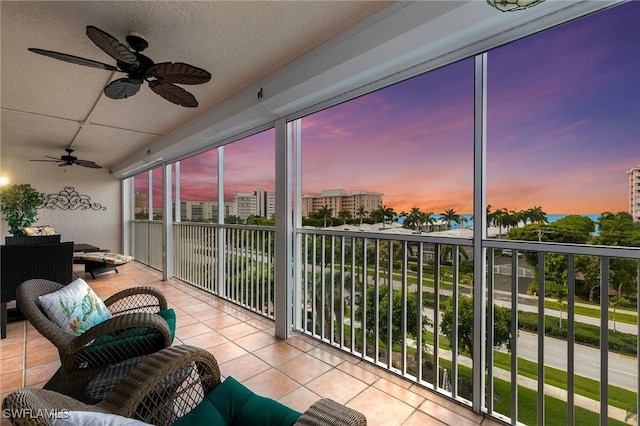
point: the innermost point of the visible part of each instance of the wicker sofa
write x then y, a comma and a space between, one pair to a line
24, 258
162, 389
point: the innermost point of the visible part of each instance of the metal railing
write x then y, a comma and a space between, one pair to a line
147, 247
245, 260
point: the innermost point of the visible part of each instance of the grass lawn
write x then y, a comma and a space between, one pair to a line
621, 316
618, 397
555, 409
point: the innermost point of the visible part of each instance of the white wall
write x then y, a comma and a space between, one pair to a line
101, 228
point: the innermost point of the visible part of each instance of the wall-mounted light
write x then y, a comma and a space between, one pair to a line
4, 180
513, 5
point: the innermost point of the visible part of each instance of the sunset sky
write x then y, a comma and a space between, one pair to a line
563, 127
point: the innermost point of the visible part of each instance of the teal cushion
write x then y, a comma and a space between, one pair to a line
170, 316
204, 414
230, 403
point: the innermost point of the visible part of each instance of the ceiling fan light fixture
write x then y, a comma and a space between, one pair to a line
513, 5
137, 41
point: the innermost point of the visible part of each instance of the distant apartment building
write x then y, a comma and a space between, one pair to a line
256, 203
141, 206
634, 192
339, 199
204, 211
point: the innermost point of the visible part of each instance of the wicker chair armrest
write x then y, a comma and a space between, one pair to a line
122, 322
79, 350
173, 380
328, 412
136, 299
41, 404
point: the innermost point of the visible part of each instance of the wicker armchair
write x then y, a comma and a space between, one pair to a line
159, 390
134, 330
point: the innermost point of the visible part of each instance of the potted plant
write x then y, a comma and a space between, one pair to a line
19, 205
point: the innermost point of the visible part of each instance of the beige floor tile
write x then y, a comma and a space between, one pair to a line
271, 383
205, 340
278, 353
11, 350
301, 343
226, 352
195, 308
304, 368
15, 328
191, 330
244, 367
41, 373
11, 381
13, 363
300, 399
326, 356
237, 331
380, 408
359, 372
418, 418
446, 415
42, 356
399, 392
256, 341
336, 385
222, 322
208, 314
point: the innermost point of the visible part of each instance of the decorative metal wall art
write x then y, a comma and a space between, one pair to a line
70, 199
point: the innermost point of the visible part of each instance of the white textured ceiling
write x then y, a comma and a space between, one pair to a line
49, 104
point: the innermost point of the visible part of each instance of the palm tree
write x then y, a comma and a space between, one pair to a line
428, 219
502, 219
536, 215
325, 213
450, 216
378, 215
389, 213
413, 219
344, 215
361, 213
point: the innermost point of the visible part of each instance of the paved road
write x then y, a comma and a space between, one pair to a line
623, 369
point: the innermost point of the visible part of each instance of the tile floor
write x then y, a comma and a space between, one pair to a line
297, 372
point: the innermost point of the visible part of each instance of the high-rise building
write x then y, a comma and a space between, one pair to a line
204, 211
634, 192
245, 204
338, 199
140, 204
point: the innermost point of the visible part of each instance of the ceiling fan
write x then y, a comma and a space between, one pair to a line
162, 77
70, 160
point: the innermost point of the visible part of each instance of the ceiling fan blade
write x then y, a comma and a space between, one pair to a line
48, 161
122, 88
53, 158
179, 72
111, 46
174, 94
86, 163
64, 164
73, 59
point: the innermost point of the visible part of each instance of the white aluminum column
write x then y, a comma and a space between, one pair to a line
167, 226
284, 232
